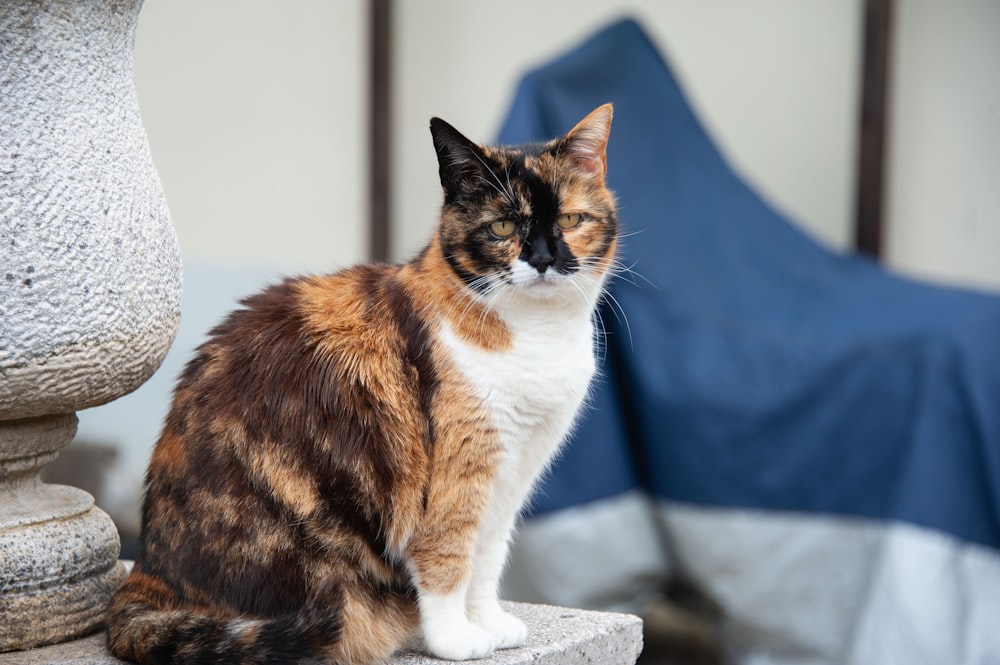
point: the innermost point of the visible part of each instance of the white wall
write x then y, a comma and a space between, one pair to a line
943, 211
775, 81
255, 111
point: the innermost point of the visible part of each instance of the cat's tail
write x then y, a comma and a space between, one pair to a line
148, 625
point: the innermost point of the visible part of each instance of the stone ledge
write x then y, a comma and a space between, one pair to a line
557, 636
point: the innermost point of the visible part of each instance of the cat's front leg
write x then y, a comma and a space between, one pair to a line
483, 605
440, 565
440, 553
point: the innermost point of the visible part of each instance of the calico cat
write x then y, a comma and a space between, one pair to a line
346, 455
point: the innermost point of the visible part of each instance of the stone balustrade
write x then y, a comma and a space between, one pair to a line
90, 286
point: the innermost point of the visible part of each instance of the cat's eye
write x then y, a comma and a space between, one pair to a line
503, 229
569, 220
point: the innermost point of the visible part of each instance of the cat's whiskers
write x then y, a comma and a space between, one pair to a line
619, 313
600, 334
630, 234
480, 293
630, 269
506, 172
508, 194
617, 269
498, 289
586, 299
613, 304
502, 192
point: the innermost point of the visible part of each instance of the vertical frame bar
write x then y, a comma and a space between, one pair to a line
379, 129
869, 224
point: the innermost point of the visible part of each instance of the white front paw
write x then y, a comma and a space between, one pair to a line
507, 630
459, 642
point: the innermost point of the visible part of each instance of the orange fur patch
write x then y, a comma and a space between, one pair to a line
439, 293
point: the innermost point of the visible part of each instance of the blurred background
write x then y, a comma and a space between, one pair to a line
258, 114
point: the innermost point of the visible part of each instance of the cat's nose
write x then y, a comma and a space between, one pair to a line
540, 257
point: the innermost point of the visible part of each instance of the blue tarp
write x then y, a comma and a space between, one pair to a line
757, 368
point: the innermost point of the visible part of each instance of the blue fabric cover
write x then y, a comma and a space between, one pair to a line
759, 369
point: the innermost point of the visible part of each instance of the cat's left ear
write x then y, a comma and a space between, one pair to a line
460, 161
587, 143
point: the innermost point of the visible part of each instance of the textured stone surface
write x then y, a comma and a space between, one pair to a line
89, 266
558, 636
90, 286
563, 636
58, 552
59, 612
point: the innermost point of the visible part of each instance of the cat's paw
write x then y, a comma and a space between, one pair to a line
507, 630
463, 642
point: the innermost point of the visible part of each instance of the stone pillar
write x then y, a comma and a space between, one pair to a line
90, 285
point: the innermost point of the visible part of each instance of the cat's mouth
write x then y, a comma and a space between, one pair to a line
544, 280
541, 283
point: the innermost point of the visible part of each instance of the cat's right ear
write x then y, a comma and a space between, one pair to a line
460, 161
587, 143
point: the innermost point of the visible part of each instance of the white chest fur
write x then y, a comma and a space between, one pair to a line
533, 391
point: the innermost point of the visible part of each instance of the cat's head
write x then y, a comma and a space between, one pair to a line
534, 220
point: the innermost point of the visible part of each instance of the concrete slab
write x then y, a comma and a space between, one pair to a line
557, 636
